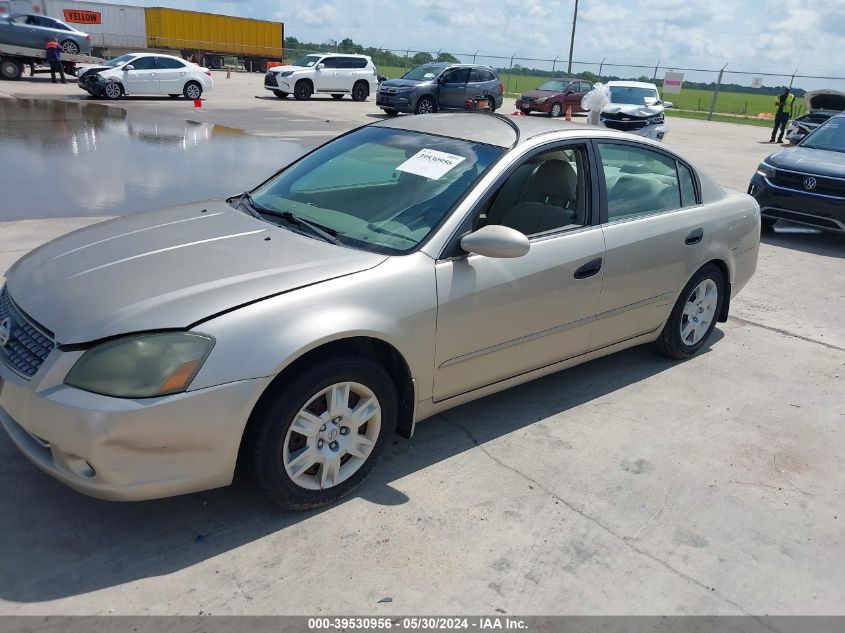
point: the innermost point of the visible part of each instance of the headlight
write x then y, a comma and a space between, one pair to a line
286, 73
656, 120
766, 171
540, 99
141, 366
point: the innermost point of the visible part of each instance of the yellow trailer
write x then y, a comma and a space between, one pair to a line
210, 36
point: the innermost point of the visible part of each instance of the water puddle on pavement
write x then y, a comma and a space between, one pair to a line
60, 159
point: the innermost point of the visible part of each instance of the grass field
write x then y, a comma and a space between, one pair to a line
692, 101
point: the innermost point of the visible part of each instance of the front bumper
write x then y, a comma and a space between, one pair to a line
819, 210
653, 131
532, 106
126, 450
401, 102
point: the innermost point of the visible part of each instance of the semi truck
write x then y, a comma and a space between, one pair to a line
208, 39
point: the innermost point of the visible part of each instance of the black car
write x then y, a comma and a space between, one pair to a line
805, 184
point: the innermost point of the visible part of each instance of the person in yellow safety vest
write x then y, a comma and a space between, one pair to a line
784, 103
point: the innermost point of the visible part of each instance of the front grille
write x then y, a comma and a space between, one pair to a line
388, 90
270, 80
28, 344
527, 99
795, 180
625, 126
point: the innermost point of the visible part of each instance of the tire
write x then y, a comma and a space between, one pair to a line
555, 111
280, 94
337, 97
360, 91
425, 105
390, 111
492, 101
112, 91
681, 337
10, 69
303, 90
192, 90
278, 430
70, 47
767, 225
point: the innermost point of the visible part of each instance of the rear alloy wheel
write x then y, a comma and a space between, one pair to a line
425, 106
302, 90
337, 97
695, 314
70, 47
555, 110
321, 434
112, 90
192, 90
280, 94
10, 69
360, 91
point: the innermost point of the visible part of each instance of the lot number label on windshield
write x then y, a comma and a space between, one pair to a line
430, 163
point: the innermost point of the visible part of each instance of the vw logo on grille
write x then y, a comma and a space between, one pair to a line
5, 331
809, 183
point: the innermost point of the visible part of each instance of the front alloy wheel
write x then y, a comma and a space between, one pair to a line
425, 106
318, 436
112, 90
555, 111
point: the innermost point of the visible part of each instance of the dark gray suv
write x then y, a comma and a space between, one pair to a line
439, 86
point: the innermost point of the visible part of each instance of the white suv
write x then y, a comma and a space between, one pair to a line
333, 73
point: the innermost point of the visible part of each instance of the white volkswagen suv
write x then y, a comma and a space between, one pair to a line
333, 73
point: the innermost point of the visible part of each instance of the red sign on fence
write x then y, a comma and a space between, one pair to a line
82, 17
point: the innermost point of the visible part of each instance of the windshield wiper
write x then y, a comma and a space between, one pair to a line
324, 232
251, 206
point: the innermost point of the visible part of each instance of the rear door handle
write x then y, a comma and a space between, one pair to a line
694, 237
589, 269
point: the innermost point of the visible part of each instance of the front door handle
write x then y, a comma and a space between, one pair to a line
589, 269
694, 237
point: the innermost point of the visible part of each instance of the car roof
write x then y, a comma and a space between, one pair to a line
342, 54
489, 129
632, 84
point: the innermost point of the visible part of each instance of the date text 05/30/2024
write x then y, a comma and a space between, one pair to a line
416, 623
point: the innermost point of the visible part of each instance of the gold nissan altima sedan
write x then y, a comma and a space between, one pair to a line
399, 270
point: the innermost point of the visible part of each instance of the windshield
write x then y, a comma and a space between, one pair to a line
829, 136
307, 60
379, 189
555, 85
117, 61
633, 95
423, 73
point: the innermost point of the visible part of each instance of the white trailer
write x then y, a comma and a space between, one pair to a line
13, 60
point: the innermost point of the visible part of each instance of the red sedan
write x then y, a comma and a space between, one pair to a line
553, 97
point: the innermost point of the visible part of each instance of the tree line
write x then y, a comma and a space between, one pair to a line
389, 58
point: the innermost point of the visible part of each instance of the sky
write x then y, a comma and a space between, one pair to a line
774, 36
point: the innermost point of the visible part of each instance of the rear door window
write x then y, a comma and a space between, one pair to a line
638, 181
167, 63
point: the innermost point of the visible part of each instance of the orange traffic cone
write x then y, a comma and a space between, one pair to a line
519, 113
568, 113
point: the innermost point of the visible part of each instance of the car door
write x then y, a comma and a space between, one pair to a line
172, 75
143, 76
655, 238
571, 96
453, 88
346, 73
498, 318
326, 78
583, 88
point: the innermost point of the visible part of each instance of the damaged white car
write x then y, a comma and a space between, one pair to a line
821, 105
635, 107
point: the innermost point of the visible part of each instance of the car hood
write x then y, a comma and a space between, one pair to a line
404, 83
168, 269
825, 100
630, 109
808, 160
539, 93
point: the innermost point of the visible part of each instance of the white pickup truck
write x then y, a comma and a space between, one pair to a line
14, 58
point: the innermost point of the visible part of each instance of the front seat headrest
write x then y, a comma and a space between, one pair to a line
557, 179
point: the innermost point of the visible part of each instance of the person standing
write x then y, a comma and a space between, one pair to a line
784, 103
54, 56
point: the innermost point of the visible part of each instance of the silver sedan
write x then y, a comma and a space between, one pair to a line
404, 268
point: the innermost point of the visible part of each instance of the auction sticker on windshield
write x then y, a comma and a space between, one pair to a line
430, 163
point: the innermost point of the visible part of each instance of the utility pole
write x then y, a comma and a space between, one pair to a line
572, 39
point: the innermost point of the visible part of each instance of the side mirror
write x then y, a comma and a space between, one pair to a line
128, 67
320, 66
496, 241
668, 104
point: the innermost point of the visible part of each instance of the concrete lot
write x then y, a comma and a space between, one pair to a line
630, 485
